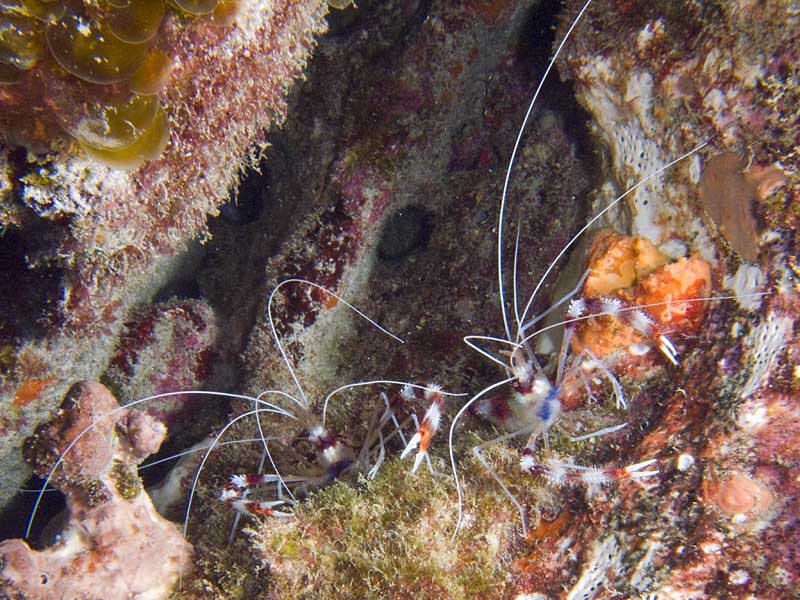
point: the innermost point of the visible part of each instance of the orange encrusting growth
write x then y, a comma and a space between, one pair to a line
738, 494
330, 302
29, 390
636, 273
327, 300
618, 262
603, 335
686, 279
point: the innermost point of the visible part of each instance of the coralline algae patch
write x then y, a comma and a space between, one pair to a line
95, 70
170, 347
720, 520
746, 533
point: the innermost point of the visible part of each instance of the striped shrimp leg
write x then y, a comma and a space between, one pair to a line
429, 426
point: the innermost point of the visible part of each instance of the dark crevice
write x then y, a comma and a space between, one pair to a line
28, 296
50, 515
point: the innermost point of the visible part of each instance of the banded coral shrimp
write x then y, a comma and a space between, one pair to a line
319, 528
621, 527
334, 454
535, 405
87, 430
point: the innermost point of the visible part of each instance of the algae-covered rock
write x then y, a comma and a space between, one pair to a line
85, 243
385, 189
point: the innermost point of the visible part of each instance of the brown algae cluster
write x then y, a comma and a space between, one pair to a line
93, 69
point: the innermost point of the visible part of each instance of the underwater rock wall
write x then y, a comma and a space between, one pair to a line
659, 79
415, 107
385, 188
719, 520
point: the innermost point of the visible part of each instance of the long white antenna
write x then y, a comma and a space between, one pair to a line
591, 222
380, 382
511, 164
118, 410
277, 338
464, 408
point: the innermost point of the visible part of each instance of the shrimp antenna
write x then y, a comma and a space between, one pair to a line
263, 437
197, 448
468, 340
592, 221
626, 310
514, 283
117, 411
277, 338
511, 164
380, 382
211, 447
469, 403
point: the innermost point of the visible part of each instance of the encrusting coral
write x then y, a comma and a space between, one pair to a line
114, 545
725, 73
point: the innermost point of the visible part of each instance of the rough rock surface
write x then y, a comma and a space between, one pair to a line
114, 545
720, 503
385, 188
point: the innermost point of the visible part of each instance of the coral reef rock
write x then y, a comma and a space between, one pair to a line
168, 347
384, 186
659, 80
721, 423
115, 545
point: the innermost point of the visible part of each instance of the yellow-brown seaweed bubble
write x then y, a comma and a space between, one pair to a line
115, 124
88, 49
341, 4
137, 22
196, 7
20, 42
116, 65
152, 75
149, 145
45, 10
225, 12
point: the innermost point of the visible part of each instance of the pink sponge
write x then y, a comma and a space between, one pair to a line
115, 544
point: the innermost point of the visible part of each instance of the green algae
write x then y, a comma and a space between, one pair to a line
96, 492
393, 536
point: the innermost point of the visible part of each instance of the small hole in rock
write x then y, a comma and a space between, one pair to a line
406, 231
